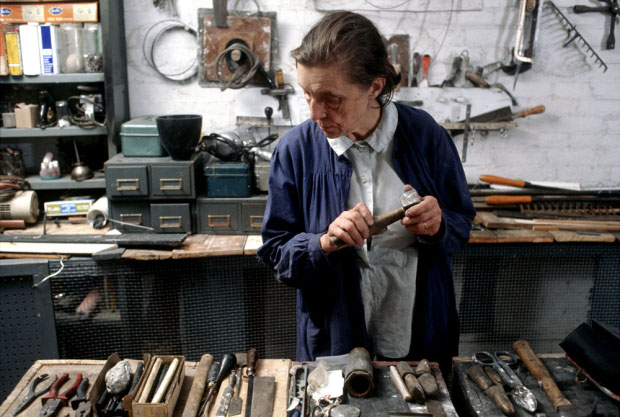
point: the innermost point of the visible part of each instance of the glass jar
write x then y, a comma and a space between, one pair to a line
70, 48
93, 47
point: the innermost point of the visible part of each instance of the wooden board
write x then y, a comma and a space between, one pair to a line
193, 247
564, 236
482, 236
71, 248
63, 228
252, 244
518, 236
146, 254
221, 245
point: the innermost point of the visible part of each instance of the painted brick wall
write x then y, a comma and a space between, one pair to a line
577, 139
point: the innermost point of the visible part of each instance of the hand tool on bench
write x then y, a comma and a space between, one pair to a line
236, 403
561, 404
408, 199
527, 199
211, 377
52, 402
222, 410
149, 382
263, 394
32, 394
500, 361
400, 384
413, 385
229, 361
599, 192
81, 394
169, 375
251, 374
494, 392
198, 386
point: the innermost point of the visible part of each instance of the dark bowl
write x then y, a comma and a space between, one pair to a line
179, 134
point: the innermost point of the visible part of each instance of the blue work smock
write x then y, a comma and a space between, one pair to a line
308, 189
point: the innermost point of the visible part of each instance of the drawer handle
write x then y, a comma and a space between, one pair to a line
177, 187
128, 187
221, 220
165, 224
138, 218
256, 221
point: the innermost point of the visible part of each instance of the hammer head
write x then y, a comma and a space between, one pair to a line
410, 198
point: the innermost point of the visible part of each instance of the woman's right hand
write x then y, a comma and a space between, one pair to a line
351, 227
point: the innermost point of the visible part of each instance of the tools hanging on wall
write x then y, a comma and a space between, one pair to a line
527, 28
612, 8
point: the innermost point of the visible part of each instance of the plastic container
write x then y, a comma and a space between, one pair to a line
228, 179
140, 137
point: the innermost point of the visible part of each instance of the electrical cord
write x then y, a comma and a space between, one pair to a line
243, 74
240, 151
82, 121
149, 56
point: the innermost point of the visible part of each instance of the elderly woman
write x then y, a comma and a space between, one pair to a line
331, 174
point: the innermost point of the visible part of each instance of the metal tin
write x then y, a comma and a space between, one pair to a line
140, 137
228, 179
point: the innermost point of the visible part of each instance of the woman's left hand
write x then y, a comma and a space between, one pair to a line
423, 218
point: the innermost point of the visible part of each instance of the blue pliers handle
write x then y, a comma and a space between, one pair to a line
32, 394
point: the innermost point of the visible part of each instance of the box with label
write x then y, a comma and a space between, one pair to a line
68, 208
26, 116
49, 12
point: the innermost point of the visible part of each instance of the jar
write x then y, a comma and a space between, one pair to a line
93, 47
70, 48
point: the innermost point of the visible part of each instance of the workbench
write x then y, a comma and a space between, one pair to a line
470, 401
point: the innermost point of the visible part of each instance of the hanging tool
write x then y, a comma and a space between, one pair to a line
561, 404
251, 374
32, 395
573, 34
52, 402
500, 361
612, 8
426, 64
407, 199
416, 67
222, 410
466, 133
481, 82
505, 114
526, 34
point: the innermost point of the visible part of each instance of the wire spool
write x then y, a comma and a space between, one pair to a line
153, 37
241, 61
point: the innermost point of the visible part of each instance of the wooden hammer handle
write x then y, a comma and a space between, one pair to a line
542, 375
535, 110
493, 179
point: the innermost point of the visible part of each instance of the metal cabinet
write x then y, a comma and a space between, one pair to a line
230, 215
172, 181
127, 181
171, 218
130, 212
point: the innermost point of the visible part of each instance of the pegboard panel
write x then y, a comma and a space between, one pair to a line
257, 31
27, 331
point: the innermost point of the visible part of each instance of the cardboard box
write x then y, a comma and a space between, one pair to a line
49, 12
165, 408
68, 207
99, 385
26, 116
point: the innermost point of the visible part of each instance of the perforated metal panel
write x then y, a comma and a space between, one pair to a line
537, 292
27, 330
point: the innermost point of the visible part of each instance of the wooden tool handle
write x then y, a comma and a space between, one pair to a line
198, 386
252, 361
542, 375
400, 384
492, 179
507, 199
535, 110
12, 224
476, 79
384, 220
146, 390
159, 395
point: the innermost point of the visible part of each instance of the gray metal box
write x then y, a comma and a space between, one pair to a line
134, 212
171, 218
172, 181
126, 181
230, 215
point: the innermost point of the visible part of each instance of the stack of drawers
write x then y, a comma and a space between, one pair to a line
230, 216
155, 192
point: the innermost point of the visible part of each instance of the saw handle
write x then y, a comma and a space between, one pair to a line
540, 373
499, 200
534, 110
492, 179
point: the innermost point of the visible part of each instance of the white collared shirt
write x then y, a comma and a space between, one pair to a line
389, 269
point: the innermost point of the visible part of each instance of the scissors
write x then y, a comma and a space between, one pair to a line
30, 397
501, 361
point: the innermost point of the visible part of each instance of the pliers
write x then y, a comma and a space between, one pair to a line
52, 402
28, 399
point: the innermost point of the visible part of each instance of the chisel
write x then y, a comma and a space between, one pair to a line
229, 361
222, 410
251, 373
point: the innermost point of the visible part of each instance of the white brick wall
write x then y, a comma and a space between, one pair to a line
577, 139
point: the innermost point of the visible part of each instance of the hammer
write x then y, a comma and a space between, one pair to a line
562, 405
408, 199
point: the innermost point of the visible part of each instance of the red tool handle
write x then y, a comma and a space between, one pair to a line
508, 199
64, 397
493, 179
54, 389
535, 110
426, 64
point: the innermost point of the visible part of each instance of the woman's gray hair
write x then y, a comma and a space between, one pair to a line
353, 41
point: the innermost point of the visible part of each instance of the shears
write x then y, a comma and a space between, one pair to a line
501, 361
32, 395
